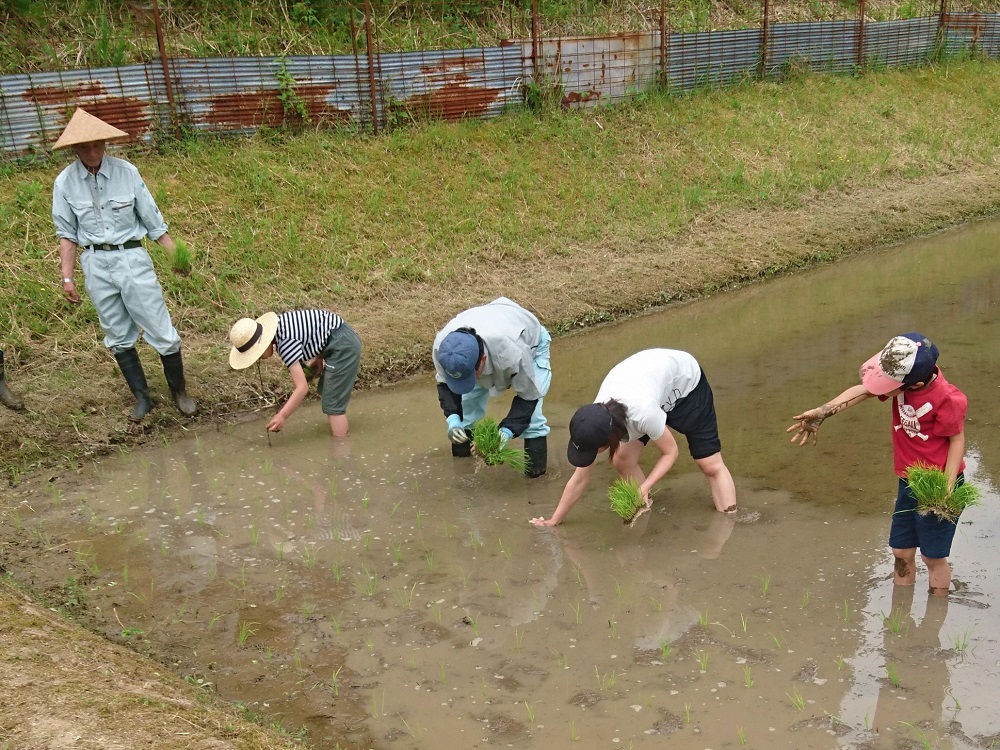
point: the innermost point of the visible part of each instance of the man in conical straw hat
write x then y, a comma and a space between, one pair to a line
101, 206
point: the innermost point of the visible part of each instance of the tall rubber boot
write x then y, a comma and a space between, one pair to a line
131, 367
462, 450
7, 397
538, 456
173, 371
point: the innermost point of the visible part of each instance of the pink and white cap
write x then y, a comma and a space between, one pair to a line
907, 359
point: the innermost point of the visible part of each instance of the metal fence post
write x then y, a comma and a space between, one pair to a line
861, 34
166, 70
663, 43
371, 64
765, 33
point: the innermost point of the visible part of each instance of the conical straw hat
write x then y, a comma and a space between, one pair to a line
83, 127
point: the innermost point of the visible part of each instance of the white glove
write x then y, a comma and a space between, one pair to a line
456, 433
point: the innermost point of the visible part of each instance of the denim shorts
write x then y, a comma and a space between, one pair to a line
931, 533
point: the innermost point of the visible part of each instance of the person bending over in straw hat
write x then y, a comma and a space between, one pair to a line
101, 204
639, 399
320, 336
928, 428
482, 352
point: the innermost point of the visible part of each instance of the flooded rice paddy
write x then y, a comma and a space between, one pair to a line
385, 595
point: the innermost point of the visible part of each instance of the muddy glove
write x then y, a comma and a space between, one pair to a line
456, 433
505, 436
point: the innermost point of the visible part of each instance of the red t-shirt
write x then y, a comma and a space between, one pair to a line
922, 423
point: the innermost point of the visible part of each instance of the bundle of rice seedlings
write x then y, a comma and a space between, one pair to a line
626, 498
930, 488
486, 440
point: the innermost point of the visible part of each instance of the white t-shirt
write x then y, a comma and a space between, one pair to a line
649, 384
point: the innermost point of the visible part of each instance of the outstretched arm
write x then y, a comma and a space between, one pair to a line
300, 392
573, 491
807, 423
670, 451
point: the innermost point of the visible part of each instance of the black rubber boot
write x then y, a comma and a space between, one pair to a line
131, 367
462, 450
173, 371
7, 397
538, 456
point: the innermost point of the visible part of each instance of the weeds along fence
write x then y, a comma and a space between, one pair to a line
171, 68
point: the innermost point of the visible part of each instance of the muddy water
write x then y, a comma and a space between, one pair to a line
385, 595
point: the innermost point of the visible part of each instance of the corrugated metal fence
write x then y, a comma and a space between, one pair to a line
373, 90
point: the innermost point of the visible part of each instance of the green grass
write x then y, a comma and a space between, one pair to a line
930, 487
487, 442
625, 498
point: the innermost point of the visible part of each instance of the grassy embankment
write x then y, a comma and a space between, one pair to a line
581, 216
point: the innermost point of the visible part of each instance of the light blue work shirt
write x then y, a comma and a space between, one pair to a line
111, 207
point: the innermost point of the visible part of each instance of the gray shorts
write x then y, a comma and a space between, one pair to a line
341, 356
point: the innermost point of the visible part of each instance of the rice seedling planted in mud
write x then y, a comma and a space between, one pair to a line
491, 448
930, 487
625, 498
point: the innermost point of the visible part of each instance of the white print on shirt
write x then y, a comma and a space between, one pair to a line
909, 418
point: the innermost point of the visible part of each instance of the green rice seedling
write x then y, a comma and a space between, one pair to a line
366, 540
466, 575
442, 675
848, 613
893, 621
436, 613
309, 555
375, 708
576, 610
606, 681
765, 582
245, 630
482, 686
473, 623
839, 661
215, 618
181, 260
419, 519
405, 597
797, 699
473, 541
930, 487
281, 551
337, 572
805, 599
429, 559
702, 657
747, 677
448, 530
518, 637
776, 639
919, 733
687, 713
892, 673
306, 609
573, 736
665, 649
496, 587
614, 629
365, 500
579, 575
125, 573
618, 588
960, 641
506, 552
531, 713
625, 498
397, 551
703, 619
488, 445
742, 735
370, 643
743, 622
254, 535
655, 604
335, 681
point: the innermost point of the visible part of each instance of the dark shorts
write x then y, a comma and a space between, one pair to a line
931, 533
341, 357
694, 417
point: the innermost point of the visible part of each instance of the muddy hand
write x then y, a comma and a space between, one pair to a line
807, 426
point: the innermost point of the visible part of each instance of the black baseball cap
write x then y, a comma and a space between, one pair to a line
589, 431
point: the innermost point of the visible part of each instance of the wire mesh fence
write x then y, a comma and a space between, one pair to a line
160, 68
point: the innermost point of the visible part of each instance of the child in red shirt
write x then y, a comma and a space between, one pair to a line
928, 427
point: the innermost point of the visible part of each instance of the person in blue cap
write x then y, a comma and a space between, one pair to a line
482, 352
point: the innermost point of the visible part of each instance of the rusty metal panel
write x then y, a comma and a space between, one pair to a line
34, 108
712, 58
977, 32
900, 44
449, 84
823, 46
599, 69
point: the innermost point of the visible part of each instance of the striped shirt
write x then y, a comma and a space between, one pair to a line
303, 334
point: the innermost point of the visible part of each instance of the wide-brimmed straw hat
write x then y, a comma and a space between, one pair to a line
83, 127
250, 338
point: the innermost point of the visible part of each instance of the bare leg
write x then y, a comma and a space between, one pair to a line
940, 575
905, 570
338, 425
720, 481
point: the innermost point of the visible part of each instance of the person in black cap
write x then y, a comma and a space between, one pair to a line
641, 397
482, 352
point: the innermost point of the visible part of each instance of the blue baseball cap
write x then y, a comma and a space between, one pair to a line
907, 359
459, 356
